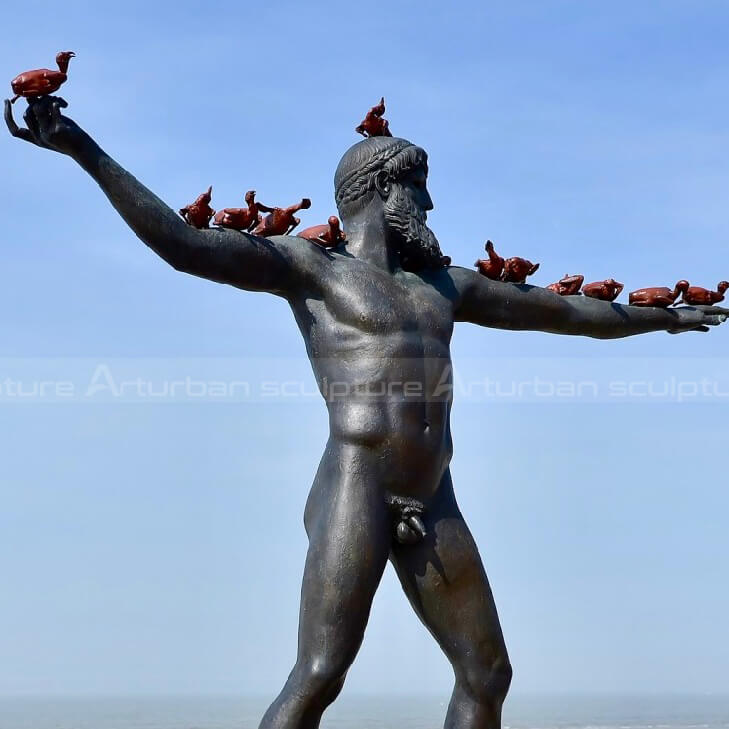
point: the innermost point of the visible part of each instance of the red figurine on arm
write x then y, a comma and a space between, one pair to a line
327, 236
280, 221
517, 269
240, 218
199, 213
607, 290
696, 296
373, 125
660, 296
42, 81
568, 286
493, 266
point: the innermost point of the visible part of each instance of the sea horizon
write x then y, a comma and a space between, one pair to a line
526, 710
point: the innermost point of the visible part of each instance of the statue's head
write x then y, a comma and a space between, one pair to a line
388, 176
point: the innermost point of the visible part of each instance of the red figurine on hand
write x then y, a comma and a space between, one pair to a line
607, 290
280, 221
568, 286
696, 296
373, 125
199, 213
327, 236
42, 81
660, 296
240, 218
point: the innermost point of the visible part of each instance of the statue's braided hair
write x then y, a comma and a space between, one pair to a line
355, 175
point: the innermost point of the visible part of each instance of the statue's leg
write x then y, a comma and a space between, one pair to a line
447, 586
349, 531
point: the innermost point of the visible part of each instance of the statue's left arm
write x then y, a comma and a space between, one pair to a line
275, 265
531, 308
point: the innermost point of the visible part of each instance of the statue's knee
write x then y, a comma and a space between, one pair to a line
488, 682
322, 678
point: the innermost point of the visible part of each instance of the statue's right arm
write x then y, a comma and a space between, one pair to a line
226, 256
532, 308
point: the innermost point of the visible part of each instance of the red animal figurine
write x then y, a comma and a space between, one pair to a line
493, 266
696, 296
373, 125
280, 221
327, 236
660, 296
42, 81
199, 213
607, 290
240, 218
568, 286
516, 270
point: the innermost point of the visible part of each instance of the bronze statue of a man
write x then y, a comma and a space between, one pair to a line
377, 314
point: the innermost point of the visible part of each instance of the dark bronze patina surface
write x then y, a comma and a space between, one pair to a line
377, 314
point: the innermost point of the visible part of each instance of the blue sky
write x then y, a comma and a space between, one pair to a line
158, 547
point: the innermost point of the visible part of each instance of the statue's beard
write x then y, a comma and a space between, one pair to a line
415, 241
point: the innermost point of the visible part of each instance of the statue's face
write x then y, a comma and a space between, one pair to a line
406, 210
415, 184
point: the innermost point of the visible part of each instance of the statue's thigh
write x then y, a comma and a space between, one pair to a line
445, 581
349, 542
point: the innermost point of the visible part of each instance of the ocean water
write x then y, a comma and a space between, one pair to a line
564, 712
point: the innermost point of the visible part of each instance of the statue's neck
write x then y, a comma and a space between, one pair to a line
367, 240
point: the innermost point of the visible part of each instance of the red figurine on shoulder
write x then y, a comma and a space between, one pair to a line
327, 236
373, 125
199, 213
42, 81
280, 221
240, 218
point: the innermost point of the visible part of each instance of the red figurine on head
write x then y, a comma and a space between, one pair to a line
199, 213
568, 286
492, 267
42, 81
280, 221
516, 270
327, 236
660, 296
373, 125
607, 290
240, 218
696, 296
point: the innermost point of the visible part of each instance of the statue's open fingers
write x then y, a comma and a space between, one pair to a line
13, 128
56, 104
40, 120
701, 328
31, 120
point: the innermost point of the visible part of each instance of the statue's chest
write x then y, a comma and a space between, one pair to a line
381, 304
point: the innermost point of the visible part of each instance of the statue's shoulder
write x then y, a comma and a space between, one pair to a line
309, 262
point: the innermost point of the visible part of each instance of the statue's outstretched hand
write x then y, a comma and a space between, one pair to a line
46, 126
698, 318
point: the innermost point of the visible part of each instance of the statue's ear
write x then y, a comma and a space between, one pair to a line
382, 183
